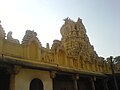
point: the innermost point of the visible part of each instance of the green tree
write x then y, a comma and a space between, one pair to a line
117, 59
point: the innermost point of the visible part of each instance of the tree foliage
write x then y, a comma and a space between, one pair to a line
117, 59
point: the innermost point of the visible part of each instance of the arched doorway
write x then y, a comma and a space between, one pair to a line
36, 84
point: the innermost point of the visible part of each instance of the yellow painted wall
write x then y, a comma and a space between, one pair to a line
12, 49
25, 76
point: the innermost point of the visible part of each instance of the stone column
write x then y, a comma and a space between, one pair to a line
75, 78
52, 74
12, 82
92, 82
13, 72
75, 85
105, 84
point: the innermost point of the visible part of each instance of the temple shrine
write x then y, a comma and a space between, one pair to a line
69, 64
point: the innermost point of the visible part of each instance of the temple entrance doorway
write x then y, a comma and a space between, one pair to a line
36, 84
4, 79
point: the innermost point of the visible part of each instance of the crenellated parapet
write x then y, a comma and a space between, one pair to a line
72, 52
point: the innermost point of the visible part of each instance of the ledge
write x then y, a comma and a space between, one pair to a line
44, 66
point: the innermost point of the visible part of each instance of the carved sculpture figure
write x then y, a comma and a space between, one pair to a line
2, 32
10, 38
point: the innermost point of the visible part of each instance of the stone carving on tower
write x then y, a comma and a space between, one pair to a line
75, 41
30, 36
30, 40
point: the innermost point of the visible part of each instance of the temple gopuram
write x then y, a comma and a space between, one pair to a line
69, 64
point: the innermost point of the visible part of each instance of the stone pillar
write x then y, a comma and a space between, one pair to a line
52, 74
13, 72
12, 82
75, 85
105, 84
75, 78
92, 82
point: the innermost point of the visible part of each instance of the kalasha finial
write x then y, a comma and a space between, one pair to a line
66, 19
79, 20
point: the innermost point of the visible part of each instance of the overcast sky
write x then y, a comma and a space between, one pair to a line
100, 17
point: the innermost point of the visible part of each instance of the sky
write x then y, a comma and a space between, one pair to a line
100, 17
